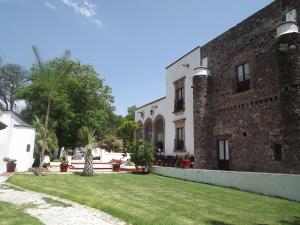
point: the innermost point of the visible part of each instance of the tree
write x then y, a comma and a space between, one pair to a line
50, 144
131, 113
88, 140
82, 100
111, 143
50, 79
127, 131
12, 79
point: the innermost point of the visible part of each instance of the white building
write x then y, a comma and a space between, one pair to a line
168, 122
16, 141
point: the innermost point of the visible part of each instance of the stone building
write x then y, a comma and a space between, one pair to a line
246, 94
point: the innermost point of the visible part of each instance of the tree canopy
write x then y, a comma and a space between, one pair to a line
82, 99
12, 79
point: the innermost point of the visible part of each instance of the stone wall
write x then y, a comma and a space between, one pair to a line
254, 120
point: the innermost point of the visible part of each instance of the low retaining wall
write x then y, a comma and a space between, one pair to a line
279, 185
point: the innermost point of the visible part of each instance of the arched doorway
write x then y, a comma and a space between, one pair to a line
148, 130
159, 134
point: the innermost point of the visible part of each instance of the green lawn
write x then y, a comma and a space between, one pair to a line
10, 215
152, 199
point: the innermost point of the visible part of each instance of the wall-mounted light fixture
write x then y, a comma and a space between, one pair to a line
152, 110
142, 114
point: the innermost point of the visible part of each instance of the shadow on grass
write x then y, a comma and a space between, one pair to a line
217, 222
295, 221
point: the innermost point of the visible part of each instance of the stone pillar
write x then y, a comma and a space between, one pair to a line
288, 58
201, 82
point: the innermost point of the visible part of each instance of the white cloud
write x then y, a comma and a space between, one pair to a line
50, 6
97, 22
84, 8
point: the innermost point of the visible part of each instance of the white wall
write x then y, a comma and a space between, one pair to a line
165, 106
13, 141
174, 73
280, 185
159, 108
21, 137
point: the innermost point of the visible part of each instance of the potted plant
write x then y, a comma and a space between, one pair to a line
10, 165
64, 164
179, 160
116, 165
186, 162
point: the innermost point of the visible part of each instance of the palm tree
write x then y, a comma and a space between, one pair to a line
51, 78
48, 144
88, 140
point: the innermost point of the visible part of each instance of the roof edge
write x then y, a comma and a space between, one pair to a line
183, 56
17, 115
157, 100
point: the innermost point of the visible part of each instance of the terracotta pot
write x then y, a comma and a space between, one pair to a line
116, 167
186, 164
11, 167
64, 167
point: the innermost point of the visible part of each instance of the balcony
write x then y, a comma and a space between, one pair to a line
287, 27
179, 105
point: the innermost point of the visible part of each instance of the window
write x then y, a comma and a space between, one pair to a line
179, 95
223, 150
28, 148
243, 77
179, 141
278, 152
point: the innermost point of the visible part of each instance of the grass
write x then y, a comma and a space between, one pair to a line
152, 199
10, 215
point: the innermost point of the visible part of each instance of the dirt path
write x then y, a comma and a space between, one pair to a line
52, 210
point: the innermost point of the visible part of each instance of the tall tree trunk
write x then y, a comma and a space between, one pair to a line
5, 102
88, 164
11, 106
42, 155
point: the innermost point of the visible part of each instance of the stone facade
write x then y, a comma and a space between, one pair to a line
254, 121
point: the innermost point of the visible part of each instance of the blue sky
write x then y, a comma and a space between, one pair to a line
129, 42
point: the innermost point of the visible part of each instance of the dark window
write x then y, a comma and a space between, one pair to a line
28, 148
179, 99
278, 152
179, 141
243, 77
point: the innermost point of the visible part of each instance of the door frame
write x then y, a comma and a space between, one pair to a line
225, 163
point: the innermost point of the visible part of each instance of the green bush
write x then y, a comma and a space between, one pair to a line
142, 154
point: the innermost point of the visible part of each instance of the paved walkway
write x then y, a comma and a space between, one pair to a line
52, 210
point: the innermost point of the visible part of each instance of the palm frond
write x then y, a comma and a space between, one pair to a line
38, 57
88, 139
